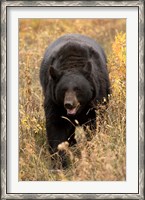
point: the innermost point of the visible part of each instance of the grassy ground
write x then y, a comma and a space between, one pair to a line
104, 157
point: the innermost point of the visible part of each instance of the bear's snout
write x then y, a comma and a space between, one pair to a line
68, 105
71, 103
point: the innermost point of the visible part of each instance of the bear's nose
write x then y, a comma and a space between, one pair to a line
68, 105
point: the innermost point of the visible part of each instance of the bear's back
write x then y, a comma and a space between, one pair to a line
73, 44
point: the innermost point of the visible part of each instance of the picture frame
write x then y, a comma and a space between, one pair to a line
5, 98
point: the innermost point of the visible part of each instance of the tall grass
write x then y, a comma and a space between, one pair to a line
104, 156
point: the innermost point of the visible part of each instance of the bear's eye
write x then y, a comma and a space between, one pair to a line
76, 89
63, 90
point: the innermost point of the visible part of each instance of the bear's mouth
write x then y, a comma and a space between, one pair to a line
73, 111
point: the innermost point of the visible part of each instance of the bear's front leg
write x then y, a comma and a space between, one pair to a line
58, 131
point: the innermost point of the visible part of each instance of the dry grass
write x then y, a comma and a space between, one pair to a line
102, 158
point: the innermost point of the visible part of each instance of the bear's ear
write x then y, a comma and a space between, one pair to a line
87, 68
54, 73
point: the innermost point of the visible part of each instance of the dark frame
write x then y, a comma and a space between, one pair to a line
4, 6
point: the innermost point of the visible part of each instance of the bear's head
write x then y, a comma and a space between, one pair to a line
73, 88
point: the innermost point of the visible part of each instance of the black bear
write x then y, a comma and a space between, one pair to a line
74, 78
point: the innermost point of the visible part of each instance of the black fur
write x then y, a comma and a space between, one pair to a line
73, 74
